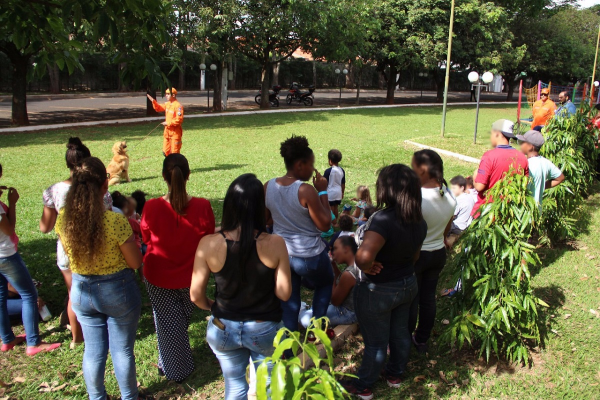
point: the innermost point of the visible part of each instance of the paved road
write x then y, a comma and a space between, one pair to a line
67, 108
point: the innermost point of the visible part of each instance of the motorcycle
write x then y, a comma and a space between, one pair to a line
297, 95
273, 96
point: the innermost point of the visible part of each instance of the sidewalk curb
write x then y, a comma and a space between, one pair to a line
461, 157
37, 128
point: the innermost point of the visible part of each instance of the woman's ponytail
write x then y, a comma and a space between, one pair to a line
176, 171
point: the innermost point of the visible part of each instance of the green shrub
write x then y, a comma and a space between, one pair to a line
570, 145
496, 310
290, 379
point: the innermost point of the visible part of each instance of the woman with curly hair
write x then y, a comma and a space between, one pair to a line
106, 298
54, 200
299, 213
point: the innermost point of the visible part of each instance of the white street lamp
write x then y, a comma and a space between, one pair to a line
474, 78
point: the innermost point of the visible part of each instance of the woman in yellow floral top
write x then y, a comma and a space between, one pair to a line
105, 296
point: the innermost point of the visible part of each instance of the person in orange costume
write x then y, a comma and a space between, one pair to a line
174, 118
543, 110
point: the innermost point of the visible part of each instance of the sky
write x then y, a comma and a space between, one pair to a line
588, 3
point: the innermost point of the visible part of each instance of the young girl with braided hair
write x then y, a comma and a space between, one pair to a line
438, 206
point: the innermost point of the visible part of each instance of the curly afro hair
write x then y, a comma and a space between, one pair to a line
294, 149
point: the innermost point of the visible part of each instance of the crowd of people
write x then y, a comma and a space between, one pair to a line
273, 239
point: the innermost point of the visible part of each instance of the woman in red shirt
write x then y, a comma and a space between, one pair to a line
172, 227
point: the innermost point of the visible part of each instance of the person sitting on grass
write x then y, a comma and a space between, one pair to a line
363, 200
471, 191
544, 174
341, 309
360, 231
346, 223
462, 213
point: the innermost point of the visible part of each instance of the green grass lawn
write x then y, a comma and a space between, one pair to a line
220, 149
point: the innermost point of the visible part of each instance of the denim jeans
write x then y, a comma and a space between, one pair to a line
427, 269
108, 308
337, 315
317, 273
234, 347
13, 270
382, 310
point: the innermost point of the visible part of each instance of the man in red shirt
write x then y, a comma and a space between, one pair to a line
497, 162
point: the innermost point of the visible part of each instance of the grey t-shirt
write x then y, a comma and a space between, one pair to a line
462, 213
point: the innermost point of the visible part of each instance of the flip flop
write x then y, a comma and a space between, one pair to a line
18, 340
448, 292
33, 350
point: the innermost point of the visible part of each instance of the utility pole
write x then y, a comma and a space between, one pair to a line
447, 81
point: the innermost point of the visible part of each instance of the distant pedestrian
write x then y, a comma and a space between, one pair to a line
336, 182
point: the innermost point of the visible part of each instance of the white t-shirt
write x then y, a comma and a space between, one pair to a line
56, 197
464, 206
437, 211
7, 247
335, 178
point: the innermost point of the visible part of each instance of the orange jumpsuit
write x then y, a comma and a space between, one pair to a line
542, 112
173, 132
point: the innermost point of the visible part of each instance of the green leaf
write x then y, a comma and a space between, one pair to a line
262, 373
278, 381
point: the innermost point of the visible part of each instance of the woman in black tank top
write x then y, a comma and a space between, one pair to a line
252, 276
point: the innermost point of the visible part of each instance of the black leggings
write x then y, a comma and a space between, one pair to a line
427, 270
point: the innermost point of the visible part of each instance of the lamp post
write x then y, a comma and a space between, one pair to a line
477, 83
422, 75
345, 72
203, 72
212, 67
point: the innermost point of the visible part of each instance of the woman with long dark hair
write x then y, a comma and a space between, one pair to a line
299, 213
54, 200
252, 276
172, 226
106, 298
392, 241
438, 210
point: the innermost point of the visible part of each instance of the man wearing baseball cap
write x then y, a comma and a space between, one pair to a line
543, 110
497, 162
544, 174
174, 118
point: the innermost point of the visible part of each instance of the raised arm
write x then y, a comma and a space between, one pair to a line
318, 206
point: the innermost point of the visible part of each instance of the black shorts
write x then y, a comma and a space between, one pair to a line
335, 203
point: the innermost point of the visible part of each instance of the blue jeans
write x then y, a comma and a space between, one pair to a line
13, 270
383, 310
337, 315
316, 272
108, 308
235, 345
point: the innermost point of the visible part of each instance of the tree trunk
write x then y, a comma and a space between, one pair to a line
264, 87
233, 67
510, 83
20, 64
218, 93
439, 80
359, 81
150, 112
182, 74
391, 85
122, 85
54, 75
314, 73
350, 76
